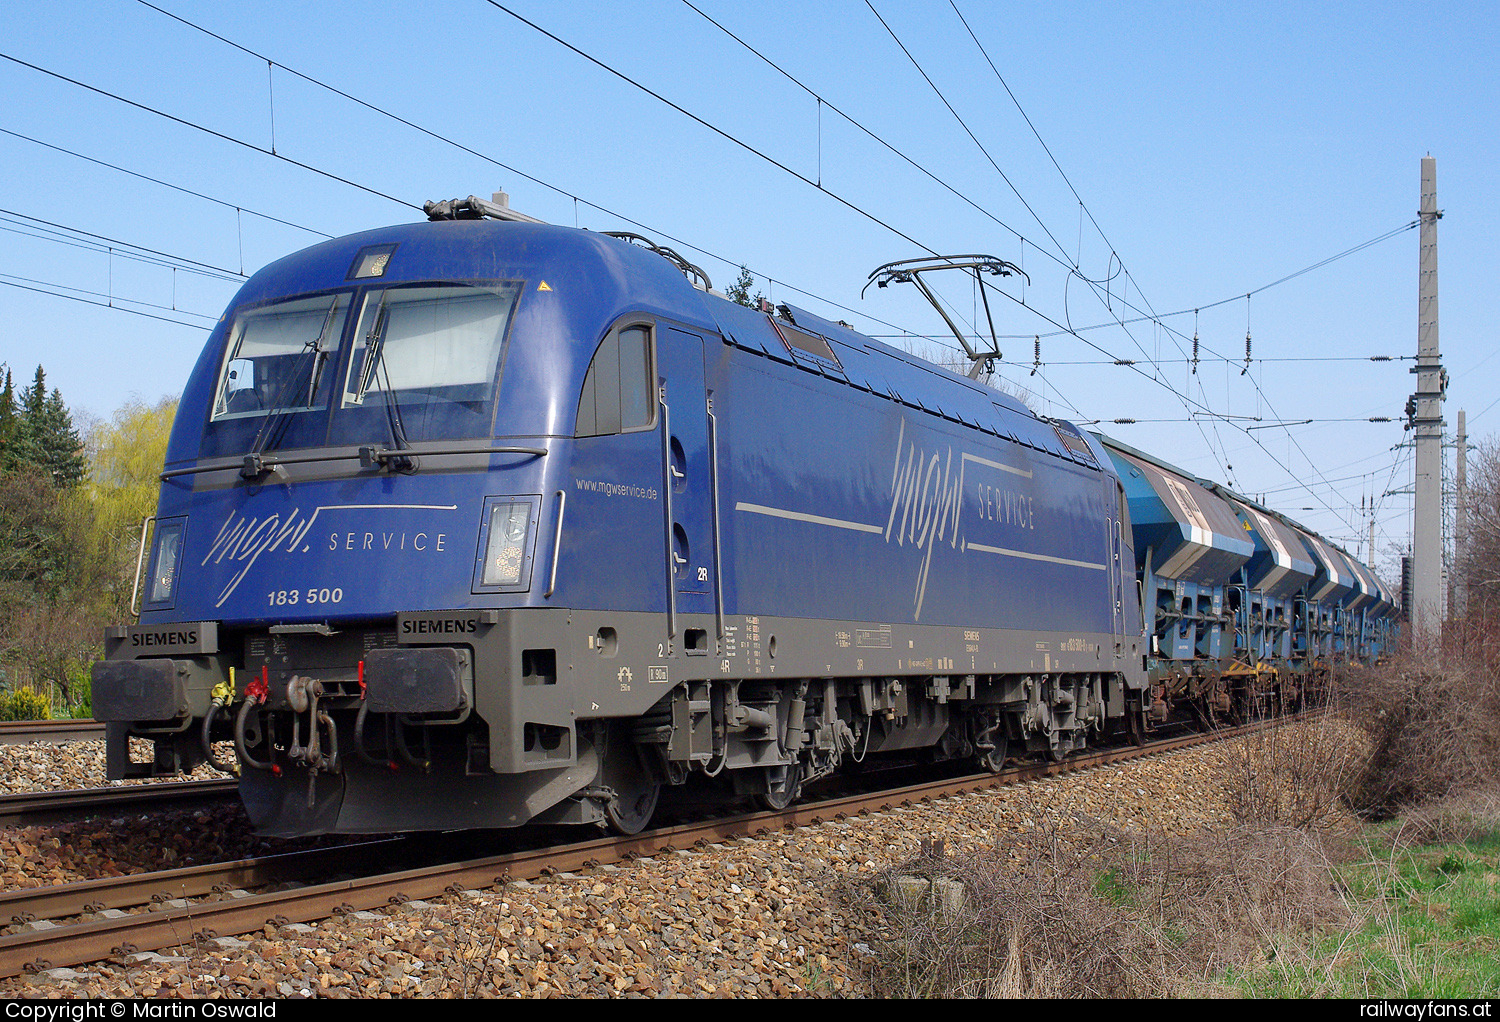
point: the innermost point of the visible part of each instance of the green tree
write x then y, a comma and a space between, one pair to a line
35, 579
125, 457
68, 540
40, 456
44, 437
33, 547
7, 410
739, 291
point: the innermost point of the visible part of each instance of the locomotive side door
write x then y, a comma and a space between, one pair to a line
687, 481
1120, 573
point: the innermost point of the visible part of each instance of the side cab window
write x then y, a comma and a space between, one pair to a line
619, 390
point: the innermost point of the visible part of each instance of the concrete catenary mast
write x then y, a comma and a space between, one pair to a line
1425, 410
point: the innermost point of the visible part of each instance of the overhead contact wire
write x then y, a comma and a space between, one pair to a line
206, 130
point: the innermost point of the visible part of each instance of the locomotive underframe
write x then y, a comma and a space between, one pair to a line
497, 718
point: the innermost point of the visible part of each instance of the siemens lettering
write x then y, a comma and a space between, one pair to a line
439, 627
188, 638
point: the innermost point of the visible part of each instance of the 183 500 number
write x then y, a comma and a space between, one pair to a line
292, 597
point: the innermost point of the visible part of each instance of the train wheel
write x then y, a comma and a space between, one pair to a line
993, 759
1207, 711
636, 786
1135, 723
629, 811
783, 785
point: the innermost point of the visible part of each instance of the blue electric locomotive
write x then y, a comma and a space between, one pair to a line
481, 522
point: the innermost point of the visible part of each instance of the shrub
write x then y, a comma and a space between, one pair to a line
1434, 731
1079, 909
80, 690
1298, 775
24, 704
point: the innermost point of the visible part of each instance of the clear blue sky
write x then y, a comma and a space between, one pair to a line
1216, 148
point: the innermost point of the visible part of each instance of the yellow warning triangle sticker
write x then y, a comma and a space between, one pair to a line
543, 286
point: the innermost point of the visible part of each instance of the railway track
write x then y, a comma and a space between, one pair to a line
103, 929
21, 732
33, 807
54, 806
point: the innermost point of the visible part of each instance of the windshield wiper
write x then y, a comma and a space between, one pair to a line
374, 345
375, 364
322, 356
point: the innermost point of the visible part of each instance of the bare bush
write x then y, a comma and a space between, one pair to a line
49, 647
1476, 569
1301, 774
1434, 730
1094, 912
1031, 925
1469, 816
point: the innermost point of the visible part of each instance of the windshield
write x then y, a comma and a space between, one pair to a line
421, 363
424, 364
277, 358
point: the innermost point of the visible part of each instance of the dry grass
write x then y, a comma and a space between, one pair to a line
1301, 774
1078, 909
1089, 911
1462, 817
1085, 910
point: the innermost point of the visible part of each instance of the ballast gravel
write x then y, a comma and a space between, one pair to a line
783, 916
48, 766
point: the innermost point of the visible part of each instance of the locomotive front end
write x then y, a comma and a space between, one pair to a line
357, 537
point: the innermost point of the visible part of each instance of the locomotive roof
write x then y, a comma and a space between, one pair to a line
603, 278
469, 250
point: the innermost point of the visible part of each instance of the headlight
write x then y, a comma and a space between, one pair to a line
164, 563
505, 553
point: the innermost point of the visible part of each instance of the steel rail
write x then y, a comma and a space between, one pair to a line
22, 906
30, 807
20, 732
